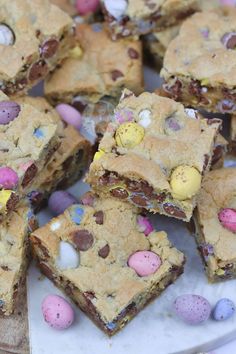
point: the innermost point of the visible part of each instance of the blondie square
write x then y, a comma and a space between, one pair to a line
94, 262
215, 220
154, 154
34, 37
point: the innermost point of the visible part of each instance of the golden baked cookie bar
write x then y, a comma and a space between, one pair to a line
138, 17
28, 137
66, 5
208, 38
14, 251
93, 261
233, 135
215, 220
34, 37
154, 154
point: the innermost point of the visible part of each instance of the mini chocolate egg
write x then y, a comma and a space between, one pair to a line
85, 7
70, 115
227, 218
144, 262
185, 181
98, 155
193, 309
57, 312
129, 134
76, 213
5, 195
8, 178
223, 310
145, 225
59, 201
9, 110
116, 8
68, 257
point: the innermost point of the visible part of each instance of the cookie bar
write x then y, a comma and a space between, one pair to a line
137, 17
154, 154
28, 137
233, 135
66, 166
212, 85
215, 220
14, 251
35, 36
84, 253
66, 5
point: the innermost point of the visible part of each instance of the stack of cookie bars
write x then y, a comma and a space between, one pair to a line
154, 151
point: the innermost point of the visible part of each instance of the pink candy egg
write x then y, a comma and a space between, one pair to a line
144, 262
86, 6
70, 115
193, 309
227, 218
228, 2
8, 178
145, 225
57, 312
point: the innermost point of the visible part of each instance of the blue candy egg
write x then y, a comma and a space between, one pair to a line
223, 310
76, 213
38, 133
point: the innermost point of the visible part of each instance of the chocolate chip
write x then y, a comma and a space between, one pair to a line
104, 251
172, 124
30, 173
108, 178
38, 70
139, 200
217, 154
5, 268
49, 48
229, 40
175, 90
116, 74
46, 271
139, 187
99, 217
159, 197
38, 244
173, 210
206, 161
133, 54
195, 88
89, 295
83, 239
79, 105
119, 192
12, 202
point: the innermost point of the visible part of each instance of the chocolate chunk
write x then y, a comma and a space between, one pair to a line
133, 54
79, 105
104, 251
67, 163
119, 192
217, 154
195, 88
172, 124
159, 197
46, 271
139, 187
139, 200
12, 202
89, 295
116, 74
49, 48
99, 217
83, 239
38, 243
206, 161
229, 40
38, 70
30, 173
173, 210
6, 268
108, 178
79, 156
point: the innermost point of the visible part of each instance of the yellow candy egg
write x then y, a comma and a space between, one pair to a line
76, 52
5, 195
185, 182
129, 134
98, 155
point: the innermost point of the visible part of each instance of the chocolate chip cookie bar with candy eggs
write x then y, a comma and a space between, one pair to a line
14, 255
137, 17
66, 164
215, 220
28, 137
34, 37
156, 43
154, 155
96, 73
233, 135
209, 38
110, 272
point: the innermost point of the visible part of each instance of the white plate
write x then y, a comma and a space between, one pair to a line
155, 330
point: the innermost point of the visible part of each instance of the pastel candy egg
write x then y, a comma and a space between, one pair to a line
144, 262
68, 257
7, 36
86, 6
116, 8
9, 110
193, 309
185, 182
8, 178
98, 155
5, 195
223, 310
129, 134
145, 118
70, 115
227, 218
57, 312
76, 213
144, 225
59, 201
